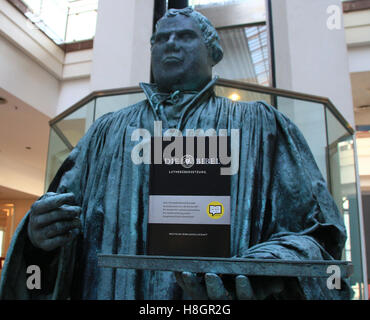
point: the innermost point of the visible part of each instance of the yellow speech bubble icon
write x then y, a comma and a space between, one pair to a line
215, 210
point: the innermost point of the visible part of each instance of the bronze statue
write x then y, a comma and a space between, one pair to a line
98, 201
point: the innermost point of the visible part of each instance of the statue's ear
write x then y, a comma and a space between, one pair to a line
152, 39
212, 62
216, 54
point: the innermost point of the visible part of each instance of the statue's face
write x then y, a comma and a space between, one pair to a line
180, 58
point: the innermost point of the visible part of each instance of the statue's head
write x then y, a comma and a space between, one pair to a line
185, 47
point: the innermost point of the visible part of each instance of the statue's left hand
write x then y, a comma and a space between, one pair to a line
211, 286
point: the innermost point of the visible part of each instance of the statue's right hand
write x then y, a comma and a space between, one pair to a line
53, 221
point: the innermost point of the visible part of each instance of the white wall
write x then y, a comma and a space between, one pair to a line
77, 64
15, 27
27, 80
121, 56
357, 26
72, 91
359, 58
310, 57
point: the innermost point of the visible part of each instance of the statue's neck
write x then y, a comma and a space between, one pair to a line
183, 87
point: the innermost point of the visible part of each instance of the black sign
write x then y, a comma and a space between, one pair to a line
189, 202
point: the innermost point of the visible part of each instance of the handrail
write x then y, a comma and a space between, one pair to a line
221, 82
93, 95
288, 94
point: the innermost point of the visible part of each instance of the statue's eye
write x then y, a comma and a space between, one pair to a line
186, 35
160, 38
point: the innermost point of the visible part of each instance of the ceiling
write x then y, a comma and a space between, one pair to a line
24, 136
10, 194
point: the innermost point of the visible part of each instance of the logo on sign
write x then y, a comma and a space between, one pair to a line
215, 210
187, 161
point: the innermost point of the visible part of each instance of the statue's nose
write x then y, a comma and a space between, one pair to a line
172, 37
172, 41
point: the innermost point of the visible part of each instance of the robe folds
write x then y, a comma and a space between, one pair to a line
280, 205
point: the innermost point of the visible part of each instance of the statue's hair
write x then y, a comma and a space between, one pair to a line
209, 33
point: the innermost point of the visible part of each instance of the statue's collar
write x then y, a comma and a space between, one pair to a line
187, 101
155, 97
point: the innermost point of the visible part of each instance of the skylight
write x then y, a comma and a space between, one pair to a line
64, 21
212, 2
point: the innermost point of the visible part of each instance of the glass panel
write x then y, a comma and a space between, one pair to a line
344, 190
50, 16
75, 125
80, 6
34, 5
81, 26
57, 153
213, 2
67, 132
54, 15
258, 47
310, 119
75, 19
241, 95
246, 55
114, 103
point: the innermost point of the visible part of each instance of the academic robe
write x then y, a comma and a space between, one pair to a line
280, 205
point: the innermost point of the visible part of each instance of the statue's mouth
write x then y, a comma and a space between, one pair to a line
171, 59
